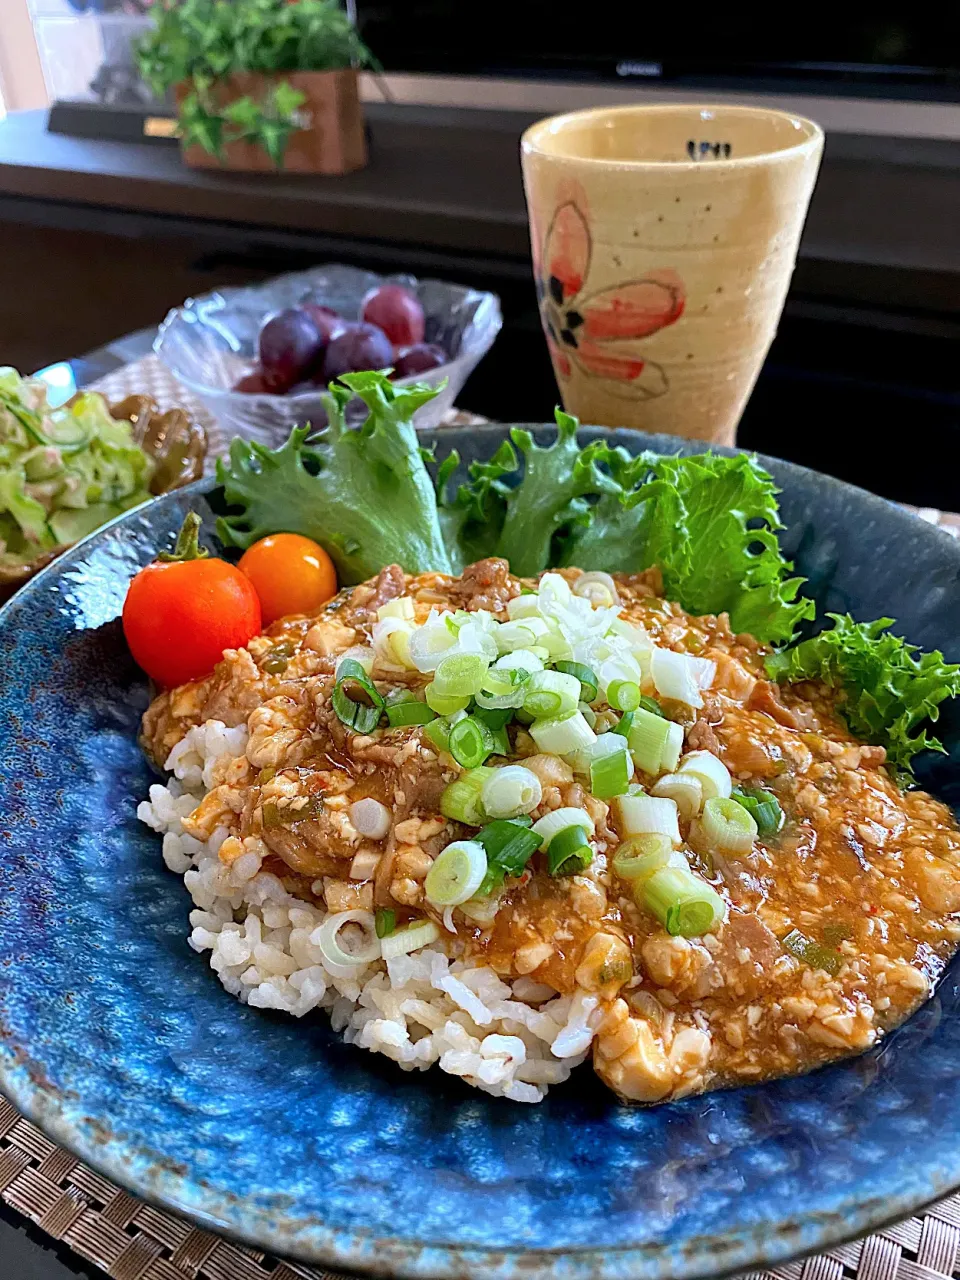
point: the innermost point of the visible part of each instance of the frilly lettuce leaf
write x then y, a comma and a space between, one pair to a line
886, 689
708, 522
363, 493
634, 522
727, 556
472, 518
520, 521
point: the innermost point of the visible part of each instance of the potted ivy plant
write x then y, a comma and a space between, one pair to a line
260, 84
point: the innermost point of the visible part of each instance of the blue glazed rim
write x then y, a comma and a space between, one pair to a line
900, 1192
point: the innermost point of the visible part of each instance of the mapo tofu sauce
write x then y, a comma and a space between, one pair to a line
836, 927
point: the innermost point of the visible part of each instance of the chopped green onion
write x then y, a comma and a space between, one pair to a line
569, 852
503, 683
510, 791
651, 705
562, 734
361, 716
461, 799
460, 676
684, 904
499, 684
525, 605
275, 815
648, 737
763, 806
402, 607
677, 676
493, 717
684, 789
391, 639
610, 775
437, 733
605, 744
598, 587
583, 673
520, 661
588, 714
401, 713
638, 815
640, 856
713, 773
509, 847
727, 826
385, 921
410, 937
558, 820
457, 873
357, 653
551, 693
444, 704
672, 748
470, 742
623, 695
624, 724
522, 633
833, 934
812, 953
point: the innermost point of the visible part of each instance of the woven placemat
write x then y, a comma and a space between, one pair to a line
149, 376
131, 1240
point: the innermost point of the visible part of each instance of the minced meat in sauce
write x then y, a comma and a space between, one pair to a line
861, 872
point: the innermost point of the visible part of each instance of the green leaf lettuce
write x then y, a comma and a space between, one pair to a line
363, 493
887, 687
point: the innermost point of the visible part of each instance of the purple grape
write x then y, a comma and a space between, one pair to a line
290, 346
328, 321
252, 384
396, 311
360, 346
419, 359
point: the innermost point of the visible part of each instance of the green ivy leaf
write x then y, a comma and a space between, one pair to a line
273, 137
247, 116
214, 38
200, 126
287, 100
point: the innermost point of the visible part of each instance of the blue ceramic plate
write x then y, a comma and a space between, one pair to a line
120, 1043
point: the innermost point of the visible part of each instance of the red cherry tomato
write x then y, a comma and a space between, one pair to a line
183, 611
291, 574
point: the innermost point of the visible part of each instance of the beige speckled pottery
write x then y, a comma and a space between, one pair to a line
664, 239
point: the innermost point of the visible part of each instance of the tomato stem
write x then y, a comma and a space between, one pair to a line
188, 542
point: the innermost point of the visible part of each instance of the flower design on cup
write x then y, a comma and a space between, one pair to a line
599, 332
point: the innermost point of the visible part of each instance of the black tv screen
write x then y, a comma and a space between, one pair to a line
913, 50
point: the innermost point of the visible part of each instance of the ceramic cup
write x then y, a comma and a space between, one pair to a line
663, 240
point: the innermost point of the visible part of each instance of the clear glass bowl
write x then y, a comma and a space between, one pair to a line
208, 343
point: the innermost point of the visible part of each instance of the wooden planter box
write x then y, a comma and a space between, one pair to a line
332, 142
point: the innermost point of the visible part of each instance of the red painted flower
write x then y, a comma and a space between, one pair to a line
599, 331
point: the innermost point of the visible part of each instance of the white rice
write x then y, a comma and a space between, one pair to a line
511, 1039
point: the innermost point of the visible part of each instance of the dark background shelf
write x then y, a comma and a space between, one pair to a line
103, 237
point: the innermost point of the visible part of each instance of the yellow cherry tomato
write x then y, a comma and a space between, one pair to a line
290, 574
